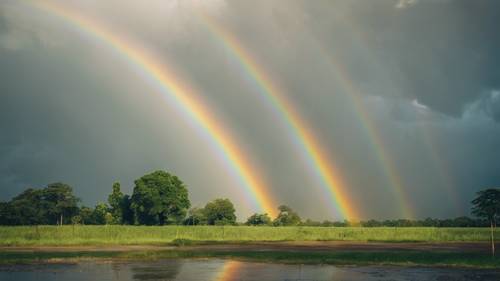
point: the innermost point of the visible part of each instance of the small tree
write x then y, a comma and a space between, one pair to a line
100, 213
487, 205
196, 216
76, 220
220, 212
286, 217
258, 219
87, 215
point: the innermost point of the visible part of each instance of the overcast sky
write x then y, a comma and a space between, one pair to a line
426, 74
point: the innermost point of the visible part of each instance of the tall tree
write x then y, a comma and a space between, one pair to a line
220, 212
487, 205
127, 212
116, 203
159, 198
286, 217
60, 202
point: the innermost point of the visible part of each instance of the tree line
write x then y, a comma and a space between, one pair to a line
160, 198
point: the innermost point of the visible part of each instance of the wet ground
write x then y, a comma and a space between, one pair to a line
308, 246
216, 269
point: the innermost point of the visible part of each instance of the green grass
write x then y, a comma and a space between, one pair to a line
397, 258
162, 235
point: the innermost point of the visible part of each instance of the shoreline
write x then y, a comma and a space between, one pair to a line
307, 246
456, 255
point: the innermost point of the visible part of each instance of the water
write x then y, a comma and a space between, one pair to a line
213, 269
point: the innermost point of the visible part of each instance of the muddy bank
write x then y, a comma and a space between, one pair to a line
307, 246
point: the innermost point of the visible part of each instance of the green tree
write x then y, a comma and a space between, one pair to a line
27, 208
196, 216
220, 212
487, 205
159, 198
87, 215
127, 212
99, 215
116, 204
60, 203
286, 217
258, 219
6, 214
76, 220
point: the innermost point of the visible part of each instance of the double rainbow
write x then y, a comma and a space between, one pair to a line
311, 150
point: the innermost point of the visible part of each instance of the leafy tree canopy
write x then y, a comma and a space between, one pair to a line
286, 217
258, 219
196, 216
487, 204
159, 198
220, 212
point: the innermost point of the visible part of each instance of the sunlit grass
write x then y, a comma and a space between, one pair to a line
158, 235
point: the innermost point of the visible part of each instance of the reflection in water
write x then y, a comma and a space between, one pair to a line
230, 271
156, 271
220, 270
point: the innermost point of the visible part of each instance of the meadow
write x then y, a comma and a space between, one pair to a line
165, 235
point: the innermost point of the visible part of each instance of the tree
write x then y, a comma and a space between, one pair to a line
60, 202
286, 217
116, 203
127, 212
220, 212
196, 216
159, 198
87, 215
27, 208
487, 205
258, 219
100, 214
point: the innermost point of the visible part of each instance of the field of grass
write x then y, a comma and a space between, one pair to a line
158, 235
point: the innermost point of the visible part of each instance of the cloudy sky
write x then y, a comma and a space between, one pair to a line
406, 90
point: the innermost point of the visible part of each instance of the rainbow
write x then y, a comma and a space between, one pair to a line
386, 162
303, 138
177, 92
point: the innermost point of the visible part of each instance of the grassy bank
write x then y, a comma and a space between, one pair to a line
152, 235
397, 258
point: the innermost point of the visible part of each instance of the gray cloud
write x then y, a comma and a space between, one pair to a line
73, 110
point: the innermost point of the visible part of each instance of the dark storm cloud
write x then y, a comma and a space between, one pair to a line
426, 73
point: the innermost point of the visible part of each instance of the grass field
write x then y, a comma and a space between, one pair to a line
157, 235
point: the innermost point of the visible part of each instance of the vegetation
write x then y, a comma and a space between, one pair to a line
163, 235
220, 212
160, 198
286, 217
487, 205
54, 204
258, 219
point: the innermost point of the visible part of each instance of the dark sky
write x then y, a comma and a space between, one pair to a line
426, 75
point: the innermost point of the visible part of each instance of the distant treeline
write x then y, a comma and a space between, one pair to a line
160, 198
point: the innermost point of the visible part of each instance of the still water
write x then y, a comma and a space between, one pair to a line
213, 269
